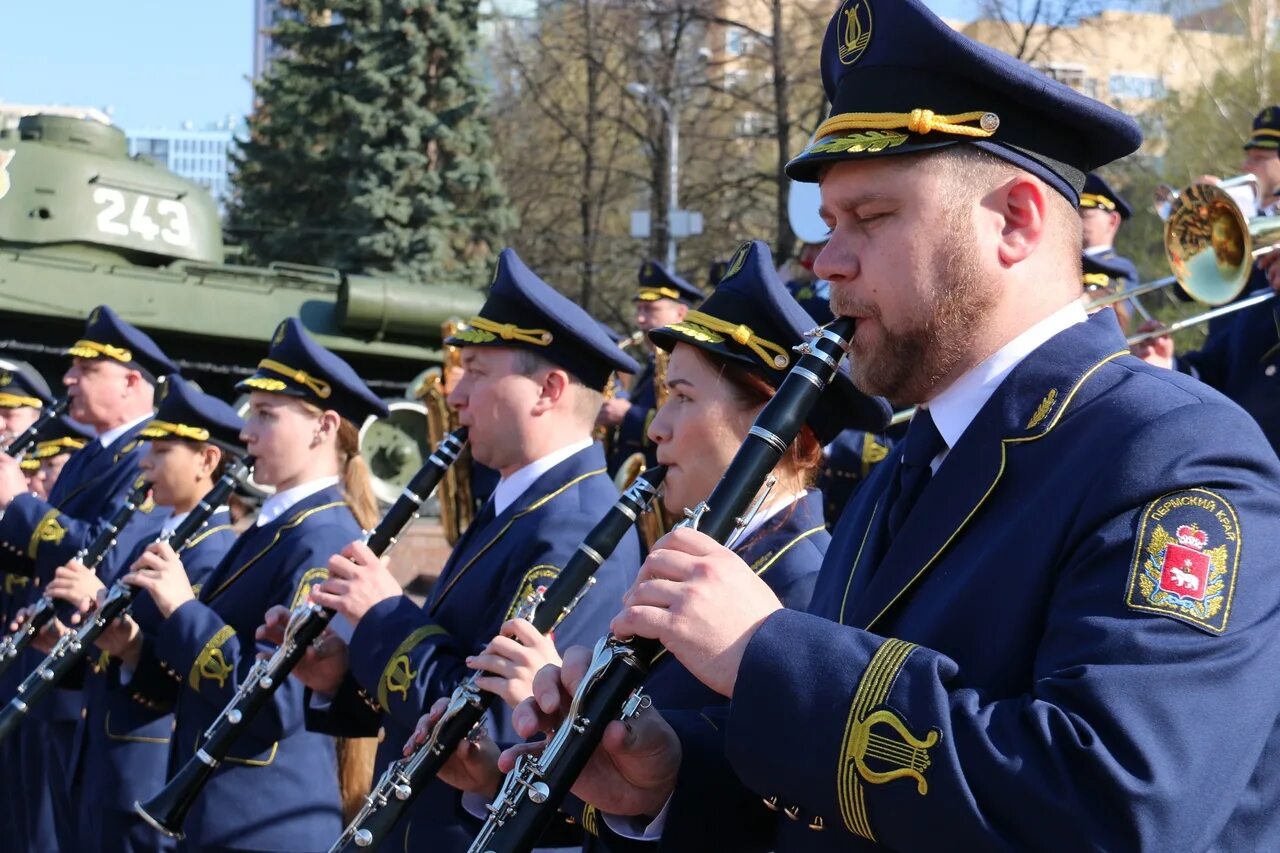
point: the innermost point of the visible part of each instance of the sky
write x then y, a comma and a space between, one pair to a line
154, 63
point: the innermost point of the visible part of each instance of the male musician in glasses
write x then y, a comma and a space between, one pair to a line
536, 365
662, 298
1051, 623
1241, 354
112, 380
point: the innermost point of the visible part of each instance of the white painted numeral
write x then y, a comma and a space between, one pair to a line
114, 207
140, 223
174, 227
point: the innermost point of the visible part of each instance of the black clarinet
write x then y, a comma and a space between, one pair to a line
75, 647
405, 778
167, 810
532, 792
24, 442
91, 556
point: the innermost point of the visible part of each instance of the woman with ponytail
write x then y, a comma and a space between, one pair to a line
280, 788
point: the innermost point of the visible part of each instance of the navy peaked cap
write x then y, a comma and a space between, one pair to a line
1101, 272
22, 386
187, 412
61, 436
108, 336
1266, 129
900, 80
297, 366
657, 282
1098, 194
524, 312
753, 320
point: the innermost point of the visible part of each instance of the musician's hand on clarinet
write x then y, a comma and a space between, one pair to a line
1157, 350
47, 637
473, 767
324, 664
122, 638
160, 572
76, 585
699, 600
358, 579
512, 659
12, 481
632, 772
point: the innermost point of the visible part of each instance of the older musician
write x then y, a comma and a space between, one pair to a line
111, 381
1027, 629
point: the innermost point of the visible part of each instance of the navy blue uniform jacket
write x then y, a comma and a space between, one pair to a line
632, 435
1242, 360
123, 738
403, 657
786, 551
1069, 645
278, 789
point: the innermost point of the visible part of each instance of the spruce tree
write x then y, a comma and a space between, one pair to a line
291, 174
425, 200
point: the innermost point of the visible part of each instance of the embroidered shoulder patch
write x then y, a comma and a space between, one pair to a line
1185, 559
310, 578
535, 580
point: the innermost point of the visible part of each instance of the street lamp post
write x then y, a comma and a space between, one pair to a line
642, 92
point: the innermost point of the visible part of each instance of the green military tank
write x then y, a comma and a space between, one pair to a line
82, 224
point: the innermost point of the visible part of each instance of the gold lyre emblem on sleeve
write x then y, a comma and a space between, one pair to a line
906, 755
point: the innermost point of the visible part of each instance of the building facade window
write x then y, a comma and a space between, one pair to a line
1137, 86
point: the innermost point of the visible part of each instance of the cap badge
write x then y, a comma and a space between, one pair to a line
855, 33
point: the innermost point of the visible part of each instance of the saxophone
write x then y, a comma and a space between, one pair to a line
457, 503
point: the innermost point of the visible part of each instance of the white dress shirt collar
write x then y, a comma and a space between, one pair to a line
281, 502
956, 407
509, 489
171, 524
106, 439
767, 513
1097, 250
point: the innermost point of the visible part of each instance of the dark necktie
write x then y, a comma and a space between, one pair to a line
922, 444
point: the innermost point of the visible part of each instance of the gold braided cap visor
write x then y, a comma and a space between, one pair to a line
1093, 200
653, 294
314, 384
18, 401
165, 429
704, 328
480, 330
93, 349
53, 447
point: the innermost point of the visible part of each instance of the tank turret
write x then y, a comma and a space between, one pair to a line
73, 187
